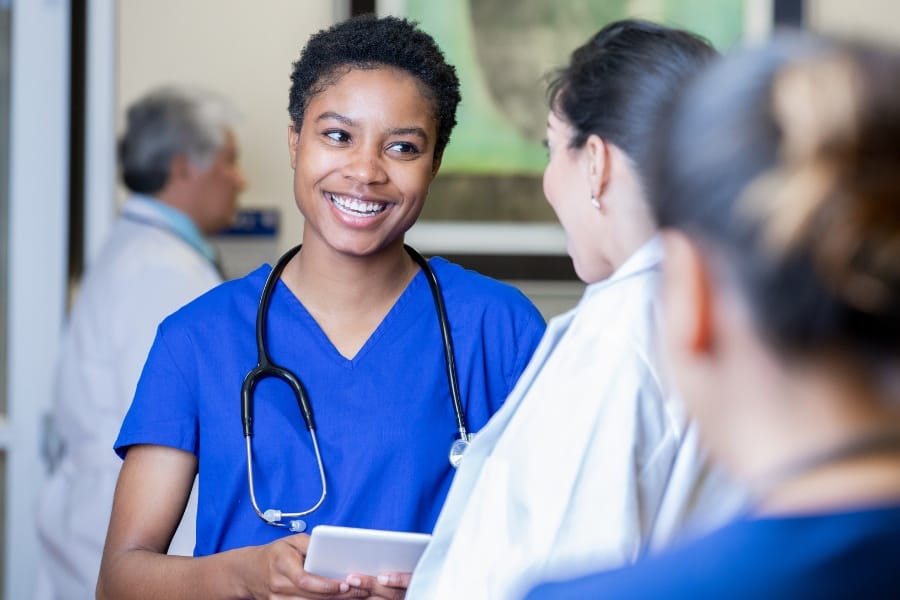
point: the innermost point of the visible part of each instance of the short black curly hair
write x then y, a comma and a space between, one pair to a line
366, 42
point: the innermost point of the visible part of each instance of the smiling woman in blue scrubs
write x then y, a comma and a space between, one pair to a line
372, 105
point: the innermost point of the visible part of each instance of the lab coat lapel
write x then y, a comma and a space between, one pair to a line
498, 422
481, 448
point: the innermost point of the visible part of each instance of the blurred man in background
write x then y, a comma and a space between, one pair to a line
179, 159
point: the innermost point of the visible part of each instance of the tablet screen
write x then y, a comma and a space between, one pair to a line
336, 552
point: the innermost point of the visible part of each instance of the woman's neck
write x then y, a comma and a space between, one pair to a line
853, 482
348, 296
629, 220
838, 444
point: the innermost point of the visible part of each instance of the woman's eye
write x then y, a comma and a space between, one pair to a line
337, 135
404, 148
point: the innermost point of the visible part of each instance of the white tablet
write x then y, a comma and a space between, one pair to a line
336, 552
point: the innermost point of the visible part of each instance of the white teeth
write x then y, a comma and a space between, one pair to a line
357, 207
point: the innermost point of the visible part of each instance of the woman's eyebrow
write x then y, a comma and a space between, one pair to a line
416, 131
399, 131
330, 114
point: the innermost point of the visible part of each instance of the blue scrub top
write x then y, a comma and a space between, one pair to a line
833, 556
385, 419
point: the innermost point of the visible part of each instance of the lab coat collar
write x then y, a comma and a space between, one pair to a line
648, 256
150, 211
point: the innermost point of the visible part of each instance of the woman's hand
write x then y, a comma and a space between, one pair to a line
277, 572
387, 586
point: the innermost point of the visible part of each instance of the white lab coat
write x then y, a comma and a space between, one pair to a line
590, 462
142, 274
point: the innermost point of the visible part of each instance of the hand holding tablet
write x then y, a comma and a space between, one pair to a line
336, 552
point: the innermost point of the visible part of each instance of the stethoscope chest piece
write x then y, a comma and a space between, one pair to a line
265, 367
457, 450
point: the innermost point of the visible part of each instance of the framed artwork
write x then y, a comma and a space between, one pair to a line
487, 200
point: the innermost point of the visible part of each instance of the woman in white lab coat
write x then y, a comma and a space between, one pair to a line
179, 158
591, 462
782, 292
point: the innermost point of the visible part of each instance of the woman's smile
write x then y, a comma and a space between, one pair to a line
363, 160
356, 207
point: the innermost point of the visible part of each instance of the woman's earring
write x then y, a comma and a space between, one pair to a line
594, 202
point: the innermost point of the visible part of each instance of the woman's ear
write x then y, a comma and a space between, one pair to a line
688, 296
293, 143
435, 165
599, 167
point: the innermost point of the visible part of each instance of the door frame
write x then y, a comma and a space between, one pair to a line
37, 237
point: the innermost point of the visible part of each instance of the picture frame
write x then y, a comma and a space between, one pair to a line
486, 207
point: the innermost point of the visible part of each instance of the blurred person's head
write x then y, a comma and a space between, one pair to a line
599, 131
179, 147
365, 43
778, 185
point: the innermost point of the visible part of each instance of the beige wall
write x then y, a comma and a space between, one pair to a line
242, 49
874, 19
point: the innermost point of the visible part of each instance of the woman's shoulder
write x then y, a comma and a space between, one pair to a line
471, 287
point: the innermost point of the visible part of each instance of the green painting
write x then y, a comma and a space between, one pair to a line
503, 51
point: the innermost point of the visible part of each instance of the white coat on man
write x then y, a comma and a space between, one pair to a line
143, 273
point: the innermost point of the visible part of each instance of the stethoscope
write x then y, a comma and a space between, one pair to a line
265, 367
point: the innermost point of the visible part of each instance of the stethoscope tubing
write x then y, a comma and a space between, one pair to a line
266, 367
446, 338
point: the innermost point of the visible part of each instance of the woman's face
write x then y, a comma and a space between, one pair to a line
363, 160
568, 190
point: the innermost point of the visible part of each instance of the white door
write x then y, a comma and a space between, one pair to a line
34, 150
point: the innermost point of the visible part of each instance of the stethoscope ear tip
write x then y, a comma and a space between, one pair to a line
297, 526
272, 515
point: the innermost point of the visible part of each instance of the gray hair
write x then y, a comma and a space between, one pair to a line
167, 122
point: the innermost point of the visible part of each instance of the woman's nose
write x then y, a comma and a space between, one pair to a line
366, 166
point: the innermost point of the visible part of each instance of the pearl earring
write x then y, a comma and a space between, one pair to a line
594, 202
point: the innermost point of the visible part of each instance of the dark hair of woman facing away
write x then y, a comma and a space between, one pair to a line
791, 177
368, 42
617, 82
